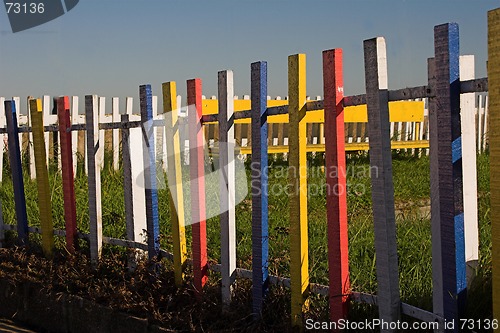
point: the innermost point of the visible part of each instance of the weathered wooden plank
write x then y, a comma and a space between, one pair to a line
67, 169
336, 194
259, 170
42, 177
227, 183
494, 144
115, 108
469, 169
197, 176
17, 172
75, 119
102, 133
299, 265
174, 173
381, 179
150, 181
447, 183
95, 156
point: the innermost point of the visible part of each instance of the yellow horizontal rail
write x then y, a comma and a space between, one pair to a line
400, 111
353, 146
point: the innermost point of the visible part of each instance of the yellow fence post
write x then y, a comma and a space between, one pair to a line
299, 266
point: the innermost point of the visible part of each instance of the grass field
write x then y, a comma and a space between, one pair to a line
411, 183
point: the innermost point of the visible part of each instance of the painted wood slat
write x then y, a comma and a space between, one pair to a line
115, 109
259, 170
30, 146
74, 134
197, 176
42, 177
227, 183
95, 156
448, 167
67, 170
299, 265
494, 146
102, 133
46, 120
174, 173
17, 172
336, 195
381, 179
469, 168
150, 182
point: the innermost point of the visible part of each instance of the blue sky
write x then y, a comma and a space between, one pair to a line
110, 47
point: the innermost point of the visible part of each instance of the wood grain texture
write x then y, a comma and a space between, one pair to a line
197, 176
67, 170
449, 170
227, 183
336, 195
381, 179
469, 168
174, 173
494, 140
75, 117
42, 177
95, 156
17, 172
115, 109
259, 170
150, 181
299, 264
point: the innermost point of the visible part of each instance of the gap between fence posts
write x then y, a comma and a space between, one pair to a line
67, 170
299, 263
446, 183
95, 156
42, 177
197, 182
494, 141
17, 172
259, 171
174, 173
389, 304
227, 183
336, 194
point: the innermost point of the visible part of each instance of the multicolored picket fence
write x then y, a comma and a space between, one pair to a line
452, 130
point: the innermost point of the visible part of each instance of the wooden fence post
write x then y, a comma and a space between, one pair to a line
74, 134
95, 156
115, 108
17, 172
42, 177
174, 173
259, 170
3, 124
381, 179
469, 168
150, 182
446, 168
197, 176
336, 195
494, 140
67, 169
299, 265
227, 183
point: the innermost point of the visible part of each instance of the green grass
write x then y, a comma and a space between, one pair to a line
412, 186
